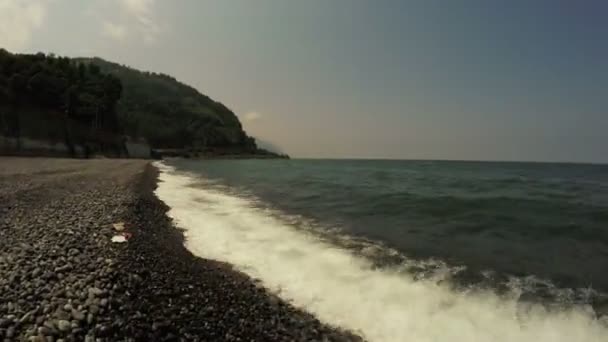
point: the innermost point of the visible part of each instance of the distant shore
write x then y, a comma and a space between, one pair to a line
64, 278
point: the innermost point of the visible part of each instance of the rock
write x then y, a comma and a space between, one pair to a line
94, 309
63, 325
78, 315
62, 315
36, 272
95, 292
51, 325
27, 317
4, 323
44, 331
102, 330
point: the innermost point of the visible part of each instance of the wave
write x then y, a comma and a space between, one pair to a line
347, 288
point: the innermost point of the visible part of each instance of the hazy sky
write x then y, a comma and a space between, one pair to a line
477, 79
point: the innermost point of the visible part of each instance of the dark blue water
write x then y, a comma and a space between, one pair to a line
498, 221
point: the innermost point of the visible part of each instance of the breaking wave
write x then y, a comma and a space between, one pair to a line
343, 284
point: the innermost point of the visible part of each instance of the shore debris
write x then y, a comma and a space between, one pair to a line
119, 226
118, 239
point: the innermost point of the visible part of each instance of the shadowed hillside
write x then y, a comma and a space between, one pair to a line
78, 107
170, 114
55, 100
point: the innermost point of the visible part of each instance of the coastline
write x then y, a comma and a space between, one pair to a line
62, 277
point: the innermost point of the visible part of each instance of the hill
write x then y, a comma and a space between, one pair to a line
54, 100
86, 106
173, 115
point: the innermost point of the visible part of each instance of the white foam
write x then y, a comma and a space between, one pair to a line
345, 290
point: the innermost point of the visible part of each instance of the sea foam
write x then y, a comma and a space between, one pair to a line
345, 289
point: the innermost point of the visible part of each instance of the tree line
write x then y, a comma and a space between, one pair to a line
170, 114
57, 99
98, 105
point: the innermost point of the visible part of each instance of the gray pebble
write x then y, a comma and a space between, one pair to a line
95, 292
90, 319
78, 315
10, 332
4, 323
63, 325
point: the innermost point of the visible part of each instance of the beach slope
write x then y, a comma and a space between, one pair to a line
62, 276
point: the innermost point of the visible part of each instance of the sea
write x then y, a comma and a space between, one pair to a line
410, 250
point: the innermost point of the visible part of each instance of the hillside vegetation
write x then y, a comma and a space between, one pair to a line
170, 114
55, 99
97, 105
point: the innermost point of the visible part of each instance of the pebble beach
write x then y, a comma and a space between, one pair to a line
63, 278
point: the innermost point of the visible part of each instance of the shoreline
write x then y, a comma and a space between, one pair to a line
62, 277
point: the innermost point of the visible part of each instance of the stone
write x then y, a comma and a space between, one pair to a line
63, 325
95, 292
94, 309
10, 332
4, 323
78, 315
36, 272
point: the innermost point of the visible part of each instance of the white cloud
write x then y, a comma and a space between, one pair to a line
252, 116
18, 20
143, 11
114, 31
137, 7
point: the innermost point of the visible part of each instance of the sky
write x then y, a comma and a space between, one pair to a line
420, 79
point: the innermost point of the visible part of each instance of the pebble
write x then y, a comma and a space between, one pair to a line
4, 323
10, 332
95, 292
78, 315
63, 325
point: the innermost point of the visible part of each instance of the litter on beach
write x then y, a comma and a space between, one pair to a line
122, 237
119, 226
119, 239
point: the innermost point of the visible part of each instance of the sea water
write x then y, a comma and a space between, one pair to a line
410, 250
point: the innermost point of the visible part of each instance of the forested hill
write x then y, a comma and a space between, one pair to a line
170, 114
95, 106
55, 100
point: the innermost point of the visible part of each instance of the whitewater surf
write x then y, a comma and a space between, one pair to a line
345, 289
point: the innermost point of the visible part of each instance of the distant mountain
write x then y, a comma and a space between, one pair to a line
170, 114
